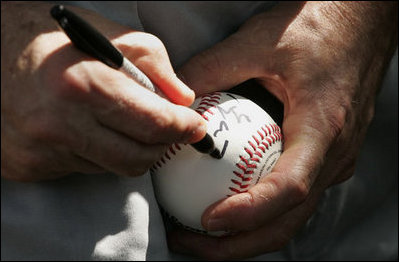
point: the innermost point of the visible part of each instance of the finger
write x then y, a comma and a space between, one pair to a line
149, 54
270, 237
121, 104
29, 157
81, 165
115, 152
223, 66
286, 187
244, 245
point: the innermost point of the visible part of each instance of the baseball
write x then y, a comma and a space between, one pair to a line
186, 182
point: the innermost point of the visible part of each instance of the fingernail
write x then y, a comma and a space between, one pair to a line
197, 133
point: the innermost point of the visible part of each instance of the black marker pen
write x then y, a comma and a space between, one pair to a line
91, 41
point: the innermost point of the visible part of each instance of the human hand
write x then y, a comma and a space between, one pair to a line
324, 61
64, 112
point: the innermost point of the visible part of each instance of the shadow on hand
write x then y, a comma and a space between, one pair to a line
252, 90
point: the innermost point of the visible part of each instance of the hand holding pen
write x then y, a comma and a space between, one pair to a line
65, 113
89, 40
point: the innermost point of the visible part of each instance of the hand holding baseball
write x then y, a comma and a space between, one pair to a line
324, 61
186, 182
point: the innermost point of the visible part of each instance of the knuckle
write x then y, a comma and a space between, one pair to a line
296, 191
299, 191
162, 125
71, 85
153, 42
45, 128
153, 134
251, 217
178, 124
337, 120
147, 45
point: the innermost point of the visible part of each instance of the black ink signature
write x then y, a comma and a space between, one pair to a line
232, 110
226, 143
222, 124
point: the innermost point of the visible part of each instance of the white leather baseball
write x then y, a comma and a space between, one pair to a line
186, 182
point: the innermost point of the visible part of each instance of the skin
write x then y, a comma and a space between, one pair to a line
324, 61
64, 112
325, 68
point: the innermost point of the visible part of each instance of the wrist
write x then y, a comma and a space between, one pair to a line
372, 25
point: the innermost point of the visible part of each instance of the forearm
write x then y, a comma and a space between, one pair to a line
23, 22
368, 30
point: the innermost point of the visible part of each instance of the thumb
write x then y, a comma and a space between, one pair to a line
221, 67
289, 184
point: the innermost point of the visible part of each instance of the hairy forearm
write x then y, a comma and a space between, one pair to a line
372, 25
367, 31
23, 22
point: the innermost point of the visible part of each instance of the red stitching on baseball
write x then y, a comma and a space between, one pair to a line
243, 168
261, 135
248, 151
272, 135
235, 190
207, 101
167, 155
211, 99
172, 150
251, 144
246, 161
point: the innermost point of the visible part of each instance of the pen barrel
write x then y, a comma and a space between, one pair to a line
137, 75
86, 37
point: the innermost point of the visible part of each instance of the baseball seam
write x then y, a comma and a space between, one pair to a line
268, 135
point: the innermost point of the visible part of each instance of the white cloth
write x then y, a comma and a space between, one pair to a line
107, 217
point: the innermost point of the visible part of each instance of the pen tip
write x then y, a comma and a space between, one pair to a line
216, 154
57, 11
